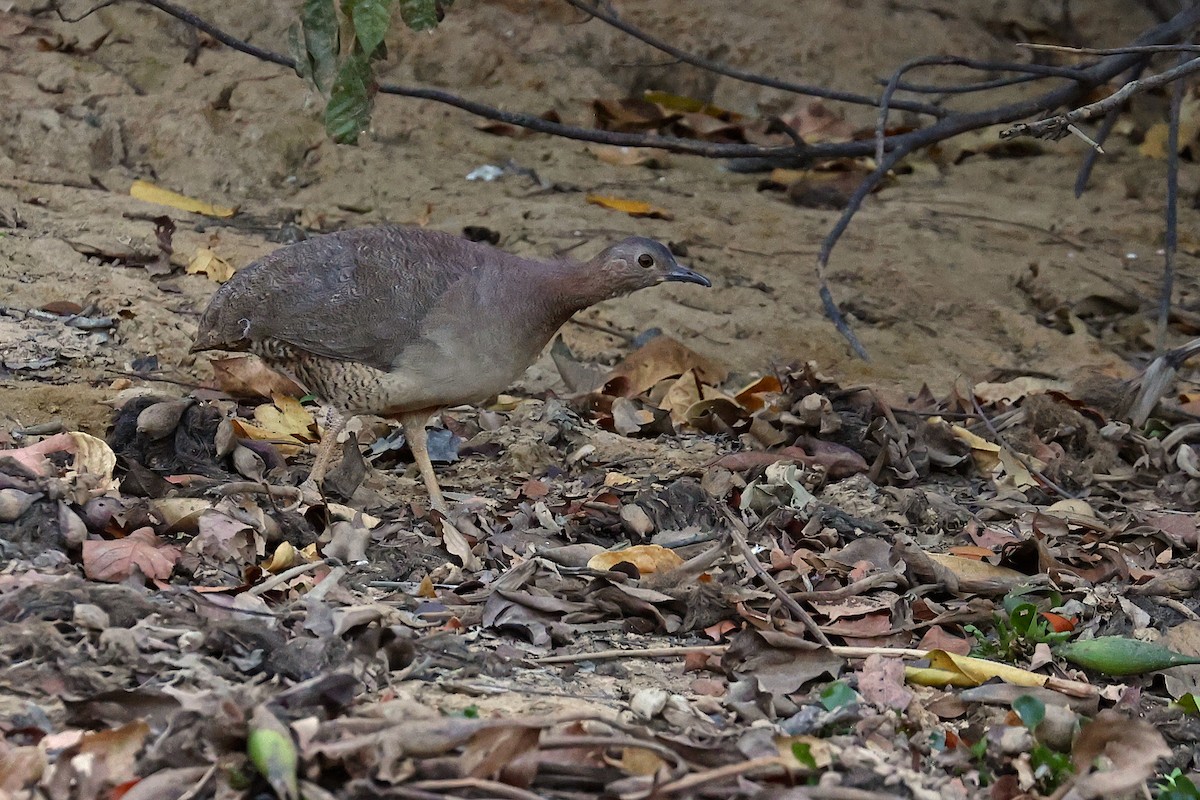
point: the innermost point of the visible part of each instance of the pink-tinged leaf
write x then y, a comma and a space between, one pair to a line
114, 560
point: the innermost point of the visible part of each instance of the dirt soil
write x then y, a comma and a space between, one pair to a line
931, 270
954, 271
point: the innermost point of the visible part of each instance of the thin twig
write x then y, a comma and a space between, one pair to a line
964, 88
710, 776
738, 531
285, 576
1000, 440
492, 788
1106, 127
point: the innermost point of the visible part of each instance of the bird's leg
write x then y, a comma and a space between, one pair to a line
333, 422
414, 431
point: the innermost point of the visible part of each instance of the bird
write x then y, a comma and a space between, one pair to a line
401, 322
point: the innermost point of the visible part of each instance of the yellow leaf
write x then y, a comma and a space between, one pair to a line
209, 263
612, 479
1154, 145
955, 670
639, 761
285, 417
284, 557
646, 557
144, 190
287, 445
634, 208
675, 102
985, 454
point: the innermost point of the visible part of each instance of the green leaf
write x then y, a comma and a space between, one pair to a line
1177, 786
273, 753
1031, 710
349, 109
838, 694
1056, 766
420, 15
371, 19
1189, 704
319, 21
1024, 619
1116, 655
802, 752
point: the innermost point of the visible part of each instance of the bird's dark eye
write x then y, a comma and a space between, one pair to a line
646, 260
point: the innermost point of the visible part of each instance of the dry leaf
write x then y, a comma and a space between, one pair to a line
1131, 747
1157, 137
629, 156
648, 558
209, 263
248, 376
458, 546
661, 357
114, 560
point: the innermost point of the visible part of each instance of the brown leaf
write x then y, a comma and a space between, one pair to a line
1132, 748
661, 357
881, 681
249, 377
647, 558
629, 114
116, 559
492, 749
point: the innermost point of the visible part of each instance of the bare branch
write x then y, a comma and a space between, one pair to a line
1112, 51
745, 76
1056, 127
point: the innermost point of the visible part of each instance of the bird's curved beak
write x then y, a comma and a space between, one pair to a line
684, 275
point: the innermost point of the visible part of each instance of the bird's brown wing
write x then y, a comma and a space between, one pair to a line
358, 295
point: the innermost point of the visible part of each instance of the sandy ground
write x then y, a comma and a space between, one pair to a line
937, 271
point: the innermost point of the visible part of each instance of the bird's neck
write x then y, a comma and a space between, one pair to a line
569, 286
547, 294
